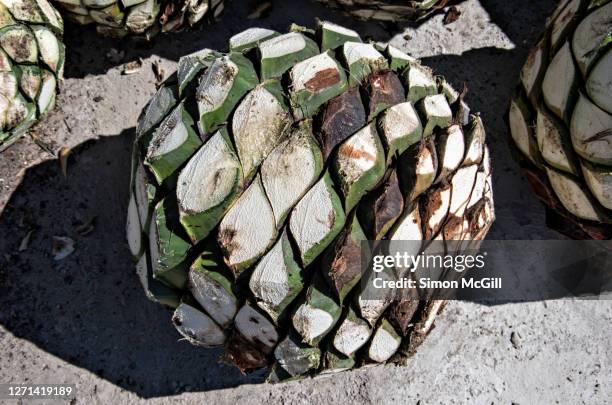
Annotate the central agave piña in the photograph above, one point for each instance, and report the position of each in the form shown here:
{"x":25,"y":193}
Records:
{"x":258,"y":173}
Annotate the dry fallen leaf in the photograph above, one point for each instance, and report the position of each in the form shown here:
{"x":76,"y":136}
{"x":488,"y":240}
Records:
{"x":25,"y":242}
{"x":159,"y":72}
{"x":132,"y":67}
{"x":452,"y":14}
{"x":63,"y":247}
{"x":63,"y":155}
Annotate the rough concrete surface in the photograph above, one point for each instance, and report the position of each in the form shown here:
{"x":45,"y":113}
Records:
{"x":85,"y":321}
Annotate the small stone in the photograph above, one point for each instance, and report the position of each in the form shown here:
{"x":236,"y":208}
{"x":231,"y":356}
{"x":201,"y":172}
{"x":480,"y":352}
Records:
{"x":515,"y":339}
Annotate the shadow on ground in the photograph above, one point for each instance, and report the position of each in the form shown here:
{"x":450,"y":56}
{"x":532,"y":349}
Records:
{"x":89,"y":309}
{"x":82,"y":58}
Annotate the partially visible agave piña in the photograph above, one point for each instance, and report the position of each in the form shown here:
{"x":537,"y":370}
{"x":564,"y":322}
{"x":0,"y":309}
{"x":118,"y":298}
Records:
{"x":561,"y":119}
{"x":146,"y":18}
{"x":388,"y":10}
{"x":31,"y":64}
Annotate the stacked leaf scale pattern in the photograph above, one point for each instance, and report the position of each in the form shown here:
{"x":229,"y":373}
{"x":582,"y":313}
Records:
{"x":258,"y":173}
{"x":31,"y":64}
{"x":561,"y":119}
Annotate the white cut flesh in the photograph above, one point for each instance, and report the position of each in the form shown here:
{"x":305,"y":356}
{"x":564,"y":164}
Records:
{"x":311,"y":322}
{"x":216,"y":84}
{"x":351,"y":336}
{"x":462,"y":187}
{"x":49,"y":47}
{"x":197,"y":327}
{"x":282,"y":45}
{"x":396,"y":53}
{"x":330,"y":26}
{"x":590,"y":35}
{"x":425,"y":172}
{"x":420,"y":76}
{"x":358,"y":154}
{"x":572,"y":196}
{"x":358,"y":51}
{"x":309,"y":222}
{"x":550,"y":136}
{"x":384,"y":345}
{"x":306,"y":70}
{"x":288,"y":172}
{"x":256,"y":328}
{"x":208,"y":178}
{"x":530,"y":73}
{"x":599,"y":181}
{"x":406,"y":235}
{"x":248,"y":228}
{"x":216,"y":301}
{"x":599,"y":83}
{"x":591,"y":132}
{"x":400,"y":121}
{"x":474,"y":143}
{"x":437,"y":111}
{"x":560,"y":23}
{"x":20,"y":44}
{"x":520,"y":130}
{"x":258,"y":125}
{"x":437,"y":216}
{"x":170,"y":135}
{"x":269,"y":281}
{"x":559,"y":82}
{"x":452,"y":149}
{"x":46,"y":97}
{"x":8,"y":85}
{"x":250,"y":36}
{"x":479,"y":189}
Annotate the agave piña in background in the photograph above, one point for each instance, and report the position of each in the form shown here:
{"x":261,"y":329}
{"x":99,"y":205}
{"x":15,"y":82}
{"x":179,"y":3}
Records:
{"x":390,"y":10}
{"x":31,"y":64}
{"x":257,"y":173}
{"x":138,"y":17}
{"x":561,"y":119}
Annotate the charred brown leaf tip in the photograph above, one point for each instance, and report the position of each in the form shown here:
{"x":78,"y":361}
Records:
{"x":340,"y":118}
{"x":227,"y":242}
{"x":385,"y":87}
{"x":389,"y":204}
{"x":402,"y":313}
{"x":245,"y":355}
{"x":349,"y":152}
{"x":323,"y":79}
{"x":345,"y":264}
